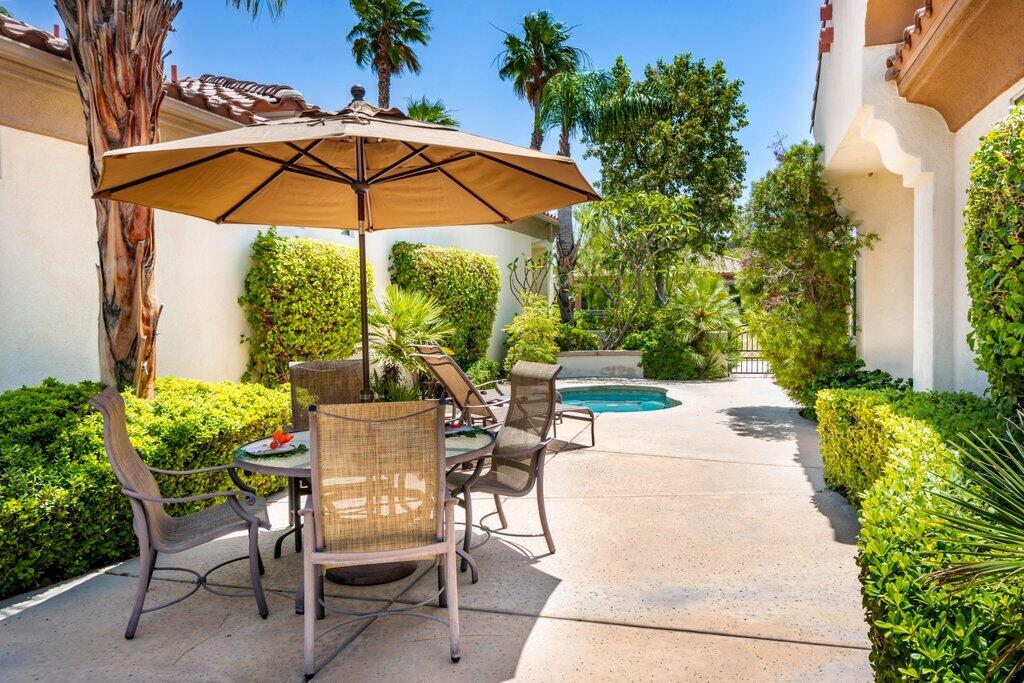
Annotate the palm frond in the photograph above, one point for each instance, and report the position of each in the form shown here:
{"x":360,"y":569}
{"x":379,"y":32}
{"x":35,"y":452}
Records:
{"x":256,"y":7}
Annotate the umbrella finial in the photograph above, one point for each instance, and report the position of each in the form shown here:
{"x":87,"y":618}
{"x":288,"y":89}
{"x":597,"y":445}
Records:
{"x":358,"y":92}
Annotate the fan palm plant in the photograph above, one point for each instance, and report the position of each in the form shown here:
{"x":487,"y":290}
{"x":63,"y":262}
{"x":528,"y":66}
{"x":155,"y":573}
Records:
{"x":702,"y":309}
{"x":532,"y":59}
{"x":384,"y":36}
{"x":984,"y":521}
{"x":430,"y":111}
{"x":401,"y":318}
{"x":117,"y":51}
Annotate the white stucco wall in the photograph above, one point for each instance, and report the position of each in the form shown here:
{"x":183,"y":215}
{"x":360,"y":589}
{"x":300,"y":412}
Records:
{"x":48,"y":285}
{"x":856,"y":105}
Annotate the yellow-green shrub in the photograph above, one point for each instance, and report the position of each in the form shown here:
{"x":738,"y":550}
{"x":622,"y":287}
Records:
{"x":918,"y":631}
{"x":464,"y":282}
{"x":301,"y":301}
{"x":61,"y":508}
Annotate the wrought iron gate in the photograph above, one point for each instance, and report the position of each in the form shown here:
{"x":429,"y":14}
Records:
{"x":751,"y":360}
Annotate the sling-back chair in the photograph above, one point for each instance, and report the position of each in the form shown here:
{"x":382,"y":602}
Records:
{"x":378,"y":496}
{"x":312,"y":382}
{"x":159,"y":532}
{"x":476,"y":408}
{"x":516,"y":463}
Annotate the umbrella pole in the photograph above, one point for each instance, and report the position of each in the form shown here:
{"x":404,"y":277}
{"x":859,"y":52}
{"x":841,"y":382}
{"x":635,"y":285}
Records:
{"x":366,"y":395}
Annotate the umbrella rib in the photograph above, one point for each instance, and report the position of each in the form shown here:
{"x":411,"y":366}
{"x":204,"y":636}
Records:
{"x":292,"y":167}
{"x":306,"y":153}
{"x":437,"y":167}
{"x":160,"y":174}
{"x":539,"y":176}
{"x":259,"y":188}
{"x":431,"y":167}
{"x":404,"y":159}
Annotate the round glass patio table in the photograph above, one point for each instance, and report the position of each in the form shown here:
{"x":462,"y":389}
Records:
{"x":459,"y":449}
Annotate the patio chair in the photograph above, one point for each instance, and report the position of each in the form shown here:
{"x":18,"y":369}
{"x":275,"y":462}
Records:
{"x":377,"y":472}
{"x":517,"y":460}
{"x":159,"y":532}
{"x":312,"y":382}
{"x":474,"y":406}
{"x":490,"y":391}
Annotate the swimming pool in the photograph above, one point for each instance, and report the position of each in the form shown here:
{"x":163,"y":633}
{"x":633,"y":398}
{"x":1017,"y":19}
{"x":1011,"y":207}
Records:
{"x":618,"y":399}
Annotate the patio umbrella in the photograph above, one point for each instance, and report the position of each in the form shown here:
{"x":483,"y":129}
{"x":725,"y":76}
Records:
{"x":361,"y":168}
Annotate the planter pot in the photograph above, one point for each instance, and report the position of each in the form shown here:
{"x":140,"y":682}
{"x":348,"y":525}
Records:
{"x":600,"y":364}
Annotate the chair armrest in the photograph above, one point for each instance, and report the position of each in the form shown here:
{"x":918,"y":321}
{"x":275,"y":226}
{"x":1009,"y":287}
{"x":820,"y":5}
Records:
{"x":232,"y":493}
{"x":493,"y":384}
{"x":200,"y":470}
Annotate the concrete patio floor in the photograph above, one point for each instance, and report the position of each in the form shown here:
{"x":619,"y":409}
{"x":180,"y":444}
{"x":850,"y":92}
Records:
{"x":695,"y":543}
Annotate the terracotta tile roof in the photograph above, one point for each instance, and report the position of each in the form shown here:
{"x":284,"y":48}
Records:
{"x":923,"y":19}
{"x":242,"y":101}
{"x":30,"y":35}
{"x":726,"y":266}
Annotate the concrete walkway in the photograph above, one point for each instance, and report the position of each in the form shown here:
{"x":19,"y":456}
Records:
{"x":696,"y":543}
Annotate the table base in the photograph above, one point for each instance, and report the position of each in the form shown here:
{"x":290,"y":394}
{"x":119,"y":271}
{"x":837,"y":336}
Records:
{"x":370,"y":574}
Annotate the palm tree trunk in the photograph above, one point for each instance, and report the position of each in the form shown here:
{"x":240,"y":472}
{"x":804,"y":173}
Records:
{"x":566,"y":247}
{"x":116,"y":51}
{"x":383,"y":88}
{"x":537,"y":137}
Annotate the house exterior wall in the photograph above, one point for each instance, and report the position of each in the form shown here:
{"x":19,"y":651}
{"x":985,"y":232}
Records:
{"x":48,"y":253}
{"x":866,"y":127}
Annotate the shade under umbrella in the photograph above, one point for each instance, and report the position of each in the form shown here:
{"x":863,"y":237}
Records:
{"x":361,"y":168}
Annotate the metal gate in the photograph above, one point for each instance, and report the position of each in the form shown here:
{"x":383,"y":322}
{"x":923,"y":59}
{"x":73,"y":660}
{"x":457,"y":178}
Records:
{"x":751,"y":360}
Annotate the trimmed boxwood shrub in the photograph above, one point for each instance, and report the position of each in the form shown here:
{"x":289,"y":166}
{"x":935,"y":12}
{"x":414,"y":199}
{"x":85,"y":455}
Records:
{"x":664,"y":353}
{"x":994,"y":227}
{"x":465,"y":282}
{"x":573,"y":338}
{"x":61,"y":507}
{"x":918,"y":631}
{"x":301,"y":301}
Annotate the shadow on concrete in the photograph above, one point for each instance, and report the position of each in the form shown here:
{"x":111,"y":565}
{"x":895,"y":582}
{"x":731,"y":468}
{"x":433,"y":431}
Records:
{"x":777,"y":423}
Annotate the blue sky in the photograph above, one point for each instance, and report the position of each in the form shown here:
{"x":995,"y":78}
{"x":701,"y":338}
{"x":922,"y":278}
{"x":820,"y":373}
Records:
{"x":768,"y":44}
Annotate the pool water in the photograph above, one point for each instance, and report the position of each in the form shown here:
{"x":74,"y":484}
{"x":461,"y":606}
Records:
{"x":618,"y":399}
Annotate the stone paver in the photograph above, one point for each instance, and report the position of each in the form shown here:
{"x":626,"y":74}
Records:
{"x":697,"y":543}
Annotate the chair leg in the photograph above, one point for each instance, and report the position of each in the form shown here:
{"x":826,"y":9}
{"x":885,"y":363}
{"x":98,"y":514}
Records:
{"x":147,"y":560}
{"x":259,"y":559}
{"x":472,"y":564}
{"x":308,"y":617}
{"x":321,"y":611}
{"x":451,"y":589}
{"x":254,"y":571}
{"x":541,"y":510}
{"x":442,"y":598}
{"x":501,"y":511}
{"x":467,"y":541}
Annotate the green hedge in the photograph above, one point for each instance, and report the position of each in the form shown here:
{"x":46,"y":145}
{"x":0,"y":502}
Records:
{"x":665,"y":354}
{"x":994,"y":228}
{"x":61,"y":508}
{"x":465,"y":282}
{"x":889,"y":450}
{"x":532,"y":333}
{"x":301,"y":301}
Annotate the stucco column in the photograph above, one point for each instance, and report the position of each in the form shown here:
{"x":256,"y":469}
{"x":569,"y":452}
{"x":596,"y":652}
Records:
{"x":933,"y":283}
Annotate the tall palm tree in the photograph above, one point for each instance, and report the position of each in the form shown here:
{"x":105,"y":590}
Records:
{"x":430,"y":111}
{"x":582,"y":103}
{"x":117,"y":54}
{"x":532,"y":59}
{"x":383,"y":37}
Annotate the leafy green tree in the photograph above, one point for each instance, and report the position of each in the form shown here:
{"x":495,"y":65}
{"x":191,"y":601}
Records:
{"x":430,"y":111}
{"x":532,"y":334}
{"x":797,"y":282}
{"x":532,"y":59}
{"x":384,"y":36}
{"x":624,"y":239}
{"x":4,"y":11}
{"x":582,"y":103}
{"x":686,"y":146}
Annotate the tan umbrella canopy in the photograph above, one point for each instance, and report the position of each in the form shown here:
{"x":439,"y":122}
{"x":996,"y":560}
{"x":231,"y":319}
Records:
{"x":362,"y":168}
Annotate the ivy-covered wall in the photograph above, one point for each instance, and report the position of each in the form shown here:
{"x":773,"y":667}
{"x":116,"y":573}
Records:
{"x":466,"y":283}
{"x":301,"y":301}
